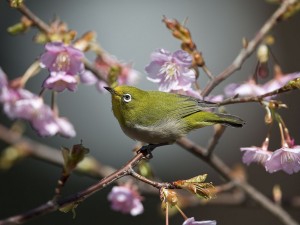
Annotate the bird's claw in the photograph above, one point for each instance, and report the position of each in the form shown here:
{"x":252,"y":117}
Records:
{"x":147,"y":150}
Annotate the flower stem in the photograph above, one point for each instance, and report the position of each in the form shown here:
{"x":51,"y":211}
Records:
{"x":167,"y":213}
{"x":54,"y":106}
{"x":181,"y":212}
{"x":32,"y":70}
{"x":42,"y":92}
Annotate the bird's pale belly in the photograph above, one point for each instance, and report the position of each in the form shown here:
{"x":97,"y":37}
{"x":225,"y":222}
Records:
{"x":164,"y":132}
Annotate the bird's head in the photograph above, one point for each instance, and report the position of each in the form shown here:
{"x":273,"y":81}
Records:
{"x":126,"y":99}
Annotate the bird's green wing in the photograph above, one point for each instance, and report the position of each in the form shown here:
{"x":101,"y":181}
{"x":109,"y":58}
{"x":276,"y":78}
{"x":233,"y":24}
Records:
{"x":175,"y":105}
{"x":187,"y":105}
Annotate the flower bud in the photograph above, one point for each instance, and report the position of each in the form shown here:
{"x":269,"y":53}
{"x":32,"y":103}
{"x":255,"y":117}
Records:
{"x":262,"y":53}
{"x":168,"y":196}
{"x":15,"y":3}
{"x":73,"y":156}
{"x":277,"y":194}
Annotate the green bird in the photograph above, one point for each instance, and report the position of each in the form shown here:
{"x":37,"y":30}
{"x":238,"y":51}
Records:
{"x":160,"y":118}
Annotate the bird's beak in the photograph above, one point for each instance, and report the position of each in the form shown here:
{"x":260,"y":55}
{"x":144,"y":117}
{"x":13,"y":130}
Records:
{"x":111,"y":90}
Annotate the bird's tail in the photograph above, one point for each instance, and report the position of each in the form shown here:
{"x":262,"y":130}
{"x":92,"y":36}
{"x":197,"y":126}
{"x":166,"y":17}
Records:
{"x":226,"y":120}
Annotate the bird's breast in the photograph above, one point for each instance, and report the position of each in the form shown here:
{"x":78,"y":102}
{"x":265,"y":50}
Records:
{"x":166,"y":131}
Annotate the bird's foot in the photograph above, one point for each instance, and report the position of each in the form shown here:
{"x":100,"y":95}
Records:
{"x":147,"y":149}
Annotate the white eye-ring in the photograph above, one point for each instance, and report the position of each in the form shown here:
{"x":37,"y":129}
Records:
{"x":127,"y":98}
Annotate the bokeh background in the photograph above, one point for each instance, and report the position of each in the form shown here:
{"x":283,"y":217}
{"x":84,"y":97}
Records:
{"x":131,"y":30}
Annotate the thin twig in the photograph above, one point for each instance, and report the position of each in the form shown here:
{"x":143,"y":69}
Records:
{"x":60,"y":184}
{"x":249,"y":49}
{"x":155,"y":184}
{"x":52,"y":205}
{"x":214,"y":161}
{"x":31,"y":71}
{"x":51,"y":155}
{"x":97,"y":170}
{"x":54,"y":105}
{"x":214,"y":140}
{"x":226,"y":173}
{"x":208,"y":72}
{"x":181,"y":212}
{"x":40,"y":24}
{"x":167,"y":213}
{"x":258,"y":98}
{"x":42,"y":91}
{"x":94,"y":70}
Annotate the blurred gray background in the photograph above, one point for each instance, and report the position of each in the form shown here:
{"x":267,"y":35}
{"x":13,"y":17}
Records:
{"x":131,"y":30}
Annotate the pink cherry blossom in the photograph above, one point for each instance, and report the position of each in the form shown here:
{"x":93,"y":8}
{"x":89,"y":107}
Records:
{"x":65,"y":127}
{"x":190,"y":92}
{"x":286,"y":159}
{"x":4,"y":89}
{"x":60,"y":57}
{"x":40,"y":116}
{"x":171,"y":70}
{"x":125,"y":200}
{"x":88,"y":78}
{"x":250,"y":88}
{"x":60,"y":81}
{"x":279,"y":81}
{"x":3,"y":79}
{"x":19,"y":103}
{"x":255,"y":155}
{"x":191,"y":221}
{"x":63,"y":62}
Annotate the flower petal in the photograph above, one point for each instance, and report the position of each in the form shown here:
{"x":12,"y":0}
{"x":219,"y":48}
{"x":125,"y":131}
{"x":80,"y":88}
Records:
{"x":47,"y":60}
{"x":55,"y":47}
{"x":286,"y":159}
{"x":182,"y":58}
{"x":125,"y":200}
{"x":153,"y":69}
{"x":60,"y":81}
{"x":171,"y":71}
{"x":87,"y":77}
{"x":66,"y":129}
{"x":100,"y":86}
{"x":59,"y":57}
{"x":161,"y":55}
{"x":255,"y":155}
{"x":3,"y":79}
{"x":191,"y":221}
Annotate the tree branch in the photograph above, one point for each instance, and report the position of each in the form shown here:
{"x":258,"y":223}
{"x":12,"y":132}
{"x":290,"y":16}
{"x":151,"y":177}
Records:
{"x":94,"y":70}
{"x":53,"y":205}
{"x":215,"y":162}
{"x":249,"y":49}
{"x":259,"y":98}
{"x":40,"y":24}
{"x":155,"y":184}
{"x":215,"y":139}
{"x":51,"y":155}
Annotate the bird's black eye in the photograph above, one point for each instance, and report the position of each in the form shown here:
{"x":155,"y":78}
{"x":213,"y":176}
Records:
{"x":127,"y":98}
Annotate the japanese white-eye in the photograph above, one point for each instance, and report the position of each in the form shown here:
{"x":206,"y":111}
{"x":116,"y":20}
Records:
{"x":156,"y":117}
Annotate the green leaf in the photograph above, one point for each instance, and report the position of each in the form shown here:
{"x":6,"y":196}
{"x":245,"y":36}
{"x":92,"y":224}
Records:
{"x":197,"y":187}
{"x":70,"y":207}
{"x":17,"y":29}
{"x":197,"y":179}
